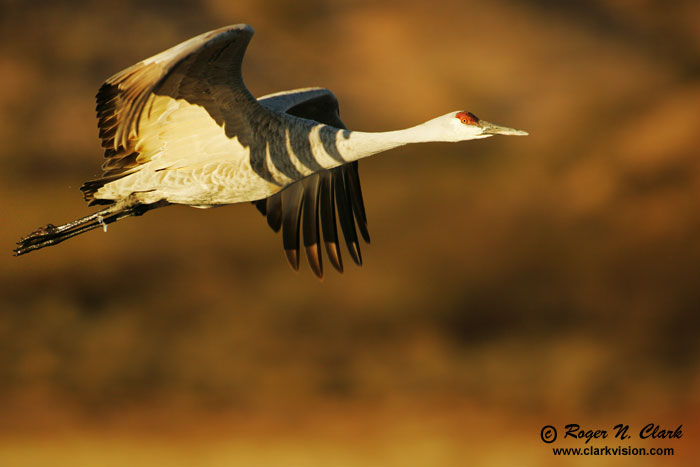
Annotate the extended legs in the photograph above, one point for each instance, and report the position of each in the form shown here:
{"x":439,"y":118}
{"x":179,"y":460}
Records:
{"x":52,"y":235}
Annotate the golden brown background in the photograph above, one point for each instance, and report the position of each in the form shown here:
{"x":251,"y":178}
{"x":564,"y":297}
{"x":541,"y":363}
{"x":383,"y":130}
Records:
{"x":511,"y":283}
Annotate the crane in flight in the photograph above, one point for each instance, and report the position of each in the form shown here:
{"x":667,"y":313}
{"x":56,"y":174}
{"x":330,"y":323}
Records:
{"x":182,"y":128}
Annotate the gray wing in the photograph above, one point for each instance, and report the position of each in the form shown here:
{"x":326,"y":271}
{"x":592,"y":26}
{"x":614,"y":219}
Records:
{"x":204,"y":70}
{"x":319,"y":198}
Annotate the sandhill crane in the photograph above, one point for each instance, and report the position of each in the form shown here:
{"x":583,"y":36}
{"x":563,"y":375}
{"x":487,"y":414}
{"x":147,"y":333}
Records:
{"x":182,"y":128}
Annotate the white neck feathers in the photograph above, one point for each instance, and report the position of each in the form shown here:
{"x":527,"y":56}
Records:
{"x":358,"y":144}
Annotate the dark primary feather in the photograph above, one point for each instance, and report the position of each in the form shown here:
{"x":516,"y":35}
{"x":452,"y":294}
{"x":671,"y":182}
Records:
{"x":291,"y":213}
{"x":328,"y":224}
{"x":325,"y":195}
{"x":354,"y":190}
{"x":312,"y":237}
{"x":347,"y":223}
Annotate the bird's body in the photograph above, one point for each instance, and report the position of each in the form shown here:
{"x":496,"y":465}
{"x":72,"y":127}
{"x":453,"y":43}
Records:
{"x":182,"y":128}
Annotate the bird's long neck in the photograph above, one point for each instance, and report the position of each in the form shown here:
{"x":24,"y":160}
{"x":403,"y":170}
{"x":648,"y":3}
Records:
{"x":354,"y":145}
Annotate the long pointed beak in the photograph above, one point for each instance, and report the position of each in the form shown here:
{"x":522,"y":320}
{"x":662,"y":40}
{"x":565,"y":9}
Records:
{"x":493,"y":129}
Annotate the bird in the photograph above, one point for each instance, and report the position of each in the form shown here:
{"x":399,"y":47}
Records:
{"x":181,"y":127}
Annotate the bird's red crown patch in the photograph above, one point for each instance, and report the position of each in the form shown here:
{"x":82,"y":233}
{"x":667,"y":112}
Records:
{"x":467,"y":118}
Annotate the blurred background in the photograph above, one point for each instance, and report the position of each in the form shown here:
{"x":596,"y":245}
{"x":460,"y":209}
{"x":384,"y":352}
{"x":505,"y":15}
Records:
{"x":511,"y":283}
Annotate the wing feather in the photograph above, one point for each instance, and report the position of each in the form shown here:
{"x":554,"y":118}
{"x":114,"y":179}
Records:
{"x":354,"y":191}
{"x":326,"y":195}
{"x":312,"y":237}
{"x":291,"y":213}
{"x":214,"y":57}
{"x":345,"y":217}
{"x":328,"y":223}
{"x":204,"y":71}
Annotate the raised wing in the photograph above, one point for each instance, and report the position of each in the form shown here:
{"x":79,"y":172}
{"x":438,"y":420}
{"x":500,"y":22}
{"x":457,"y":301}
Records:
{"x":313,"y":201}
{"x":203,"y":71}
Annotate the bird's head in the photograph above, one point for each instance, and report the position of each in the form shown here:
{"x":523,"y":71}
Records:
{"x":463,"y":126}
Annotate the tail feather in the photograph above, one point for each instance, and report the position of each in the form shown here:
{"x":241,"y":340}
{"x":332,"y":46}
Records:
{"x":90,"y":187}
{"x":53,"y":235}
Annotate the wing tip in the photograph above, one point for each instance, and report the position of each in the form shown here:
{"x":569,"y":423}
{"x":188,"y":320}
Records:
{"x":314,"y":258}
{"x":334,"y":257}
{"x":293,"y":258}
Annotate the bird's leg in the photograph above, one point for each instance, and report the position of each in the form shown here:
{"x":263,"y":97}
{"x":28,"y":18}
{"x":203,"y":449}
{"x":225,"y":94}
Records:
{"x":50,"y":229}
{"x":52,"y":235}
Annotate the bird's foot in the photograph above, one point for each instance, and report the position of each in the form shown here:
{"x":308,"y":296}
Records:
{"x":39,"y":234}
